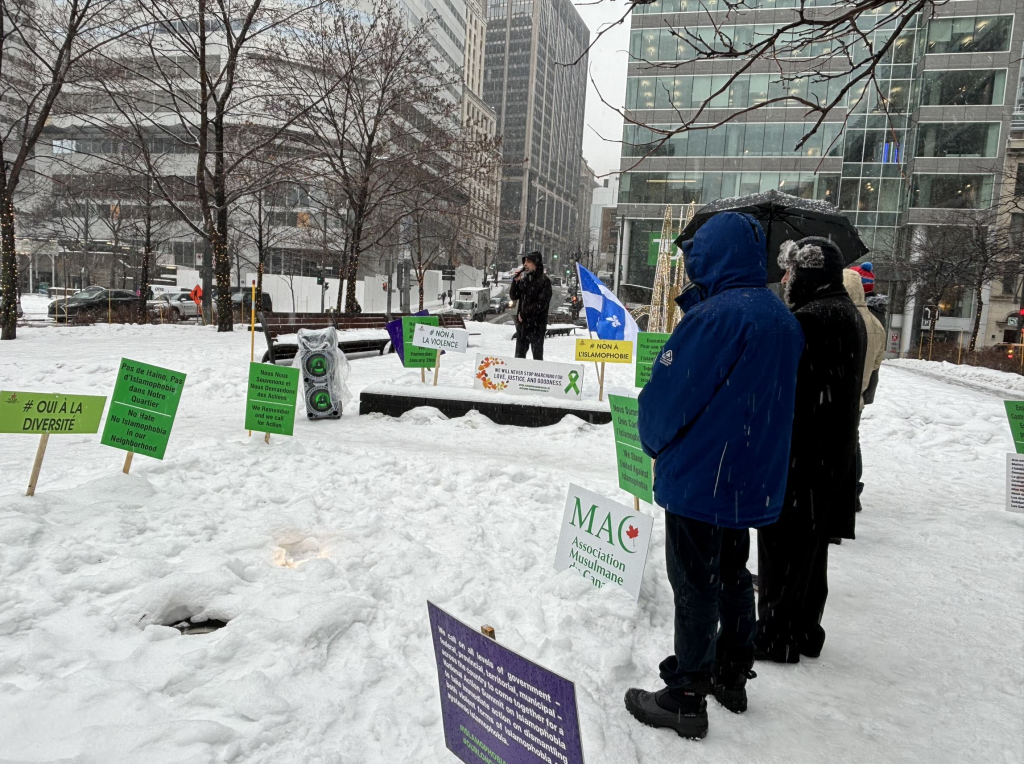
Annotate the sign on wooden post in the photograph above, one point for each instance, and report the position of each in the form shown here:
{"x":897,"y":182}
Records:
{"x":636,"y":470}
{"x":44,"y":414}
{"x":271,"y":397}
{"x":648,"y":346}
{"x":142,"y":409}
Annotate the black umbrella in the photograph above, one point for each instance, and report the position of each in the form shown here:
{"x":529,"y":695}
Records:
{"x":783,"y":218}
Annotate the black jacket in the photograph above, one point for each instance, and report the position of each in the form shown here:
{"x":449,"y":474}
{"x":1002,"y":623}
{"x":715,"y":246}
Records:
{"x":822,"y":474}
{"x":534,"y":296}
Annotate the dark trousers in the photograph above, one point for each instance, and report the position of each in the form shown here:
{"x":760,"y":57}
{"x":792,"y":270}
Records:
{"x":714,"y":599}
{"x":860,"y":462}
{"x":525,"y":343}
{"x":792,"y":575}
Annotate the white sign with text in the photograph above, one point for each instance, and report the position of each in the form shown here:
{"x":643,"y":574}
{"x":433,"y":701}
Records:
{"x":1015,"y":483}
{"x":440,"y":338}
{"x":523,"y":377}
{"x":605,"y":541}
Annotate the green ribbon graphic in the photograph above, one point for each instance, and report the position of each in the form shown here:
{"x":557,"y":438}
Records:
{"x":573,"y":377}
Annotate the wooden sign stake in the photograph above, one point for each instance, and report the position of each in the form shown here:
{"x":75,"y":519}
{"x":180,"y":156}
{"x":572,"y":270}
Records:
{"x":423,"y":375}
{"x":252,"y":329}
{"x":128,"y":462}
{"x":488,"y":631}
{"x":266,"y":437}
{"x":636,"y":503}
{"x":437,"y":367}
{"x":600,"y":377}
{"x":40,"y":452}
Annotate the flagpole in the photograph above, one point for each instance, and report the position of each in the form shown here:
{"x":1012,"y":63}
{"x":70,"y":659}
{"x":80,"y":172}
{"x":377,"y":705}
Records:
{"x":579,"y":286}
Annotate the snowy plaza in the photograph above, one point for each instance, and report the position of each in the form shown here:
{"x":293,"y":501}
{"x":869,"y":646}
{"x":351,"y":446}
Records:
{"x":320,"y":551}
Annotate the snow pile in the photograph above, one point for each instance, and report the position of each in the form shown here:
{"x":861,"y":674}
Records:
{"x":321,"y":550}
{"x":979,"y":377}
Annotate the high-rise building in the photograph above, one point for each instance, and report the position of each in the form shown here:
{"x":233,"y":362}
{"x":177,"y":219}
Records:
{"x":949,"y":86}
{"x":539,"y":106}
{"x":476,"y":114}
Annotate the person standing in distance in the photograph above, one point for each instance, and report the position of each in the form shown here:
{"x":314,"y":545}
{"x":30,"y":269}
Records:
{"x":532,"y":288}
{"x":821,"y":490}
{"x":717,"y":414}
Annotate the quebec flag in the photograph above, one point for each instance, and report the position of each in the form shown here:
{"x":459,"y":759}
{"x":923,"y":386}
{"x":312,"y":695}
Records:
{"x":606,"y":316}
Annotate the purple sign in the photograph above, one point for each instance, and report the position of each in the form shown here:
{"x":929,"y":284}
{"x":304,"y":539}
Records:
{"x":496,"y":705}
{"x":394,"y":329}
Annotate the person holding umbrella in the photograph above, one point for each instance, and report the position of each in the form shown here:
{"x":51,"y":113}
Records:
{"x":820,"y":500}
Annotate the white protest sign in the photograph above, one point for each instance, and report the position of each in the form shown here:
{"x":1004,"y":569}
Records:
{"x":440,"y":338}
{"x":1015,"y":483}
{"x":605,"y":541}
{"x":517,"y":375}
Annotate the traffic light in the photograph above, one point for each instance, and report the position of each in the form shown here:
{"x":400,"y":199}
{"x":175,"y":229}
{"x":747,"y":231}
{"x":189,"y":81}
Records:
{"x":320,"y":280}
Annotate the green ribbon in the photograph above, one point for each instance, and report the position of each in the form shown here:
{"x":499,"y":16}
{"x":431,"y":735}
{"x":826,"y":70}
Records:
{"x":573,"y":378}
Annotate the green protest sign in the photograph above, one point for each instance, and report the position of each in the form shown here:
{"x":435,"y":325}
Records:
{"x":1015,"y":413}
{"x":270,"y":401}
{"x":648,"y":345}
{"x":417,"y":357}
{"x":54,"y":413}
{"x":636,"y":474}
{"x":142,"y":408}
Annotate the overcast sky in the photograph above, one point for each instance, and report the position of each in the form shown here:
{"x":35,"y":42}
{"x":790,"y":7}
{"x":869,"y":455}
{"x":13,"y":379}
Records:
{"x":607,"y":75}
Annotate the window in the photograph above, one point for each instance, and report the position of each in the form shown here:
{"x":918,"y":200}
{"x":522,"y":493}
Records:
{"x":1018,"y":186}
{"x":964,"y":87}
{"x":64,"y":146}
{"x":954,"y":139}
{"x":969,"y":34}
{"x":952,"y":191}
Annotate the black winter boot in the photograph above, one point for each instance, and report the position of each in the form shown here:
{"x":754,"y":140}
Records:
{"x":731,"y":686}
{"x":684,"y":712}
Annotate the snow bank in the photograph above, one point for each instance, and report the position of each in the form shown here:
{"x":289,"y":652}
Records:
{"x":321,"y":550}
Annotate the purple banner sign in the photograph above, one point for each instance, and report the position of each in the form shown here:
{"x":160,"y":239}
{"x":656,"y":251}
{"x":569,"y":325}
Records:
{"x":497,"y":706}
{"x":394,"y":329}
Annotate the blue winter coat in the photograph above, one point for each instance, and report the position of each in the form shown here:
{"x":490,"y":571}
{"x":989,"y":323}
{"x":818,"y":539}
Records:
{"x":717,"y":413}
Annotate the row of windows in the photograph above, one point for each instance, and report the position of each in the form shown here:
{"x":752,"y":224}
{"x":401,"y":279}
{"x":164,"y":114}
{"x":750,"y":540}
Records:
{"x":704,"y":187}
{"x":753,"y":139}
{"x":958,"y":87}
{"x":970,"y":34}
{"x":690,"y":6}
{"x":881,"y":195}
{"x":665,"y":44}
{"x":958,"y":139}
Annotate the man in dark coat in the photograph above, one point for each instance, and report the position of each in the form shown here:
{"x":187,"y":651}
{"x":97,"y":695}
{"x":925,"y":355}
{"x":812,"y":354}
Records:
{"x":820,"y":503}
{"x":715,"y":414}
{"x":532,"y":288}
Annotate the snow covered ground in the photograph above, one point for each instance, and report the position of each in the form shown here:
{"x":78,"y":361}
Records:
{"x":322,"y":549}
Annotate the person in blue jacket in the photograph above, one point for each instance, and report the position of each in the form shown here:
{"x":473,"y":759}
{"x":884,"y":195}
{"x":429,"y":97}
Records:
{"x":717,"y":415}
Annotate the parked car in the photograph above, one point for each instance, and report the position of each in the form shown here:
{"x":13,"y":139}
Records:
{"x":241,"y":300}
{"x":498,"y":306}
{"x":173,"y":306}
{"x":93,"y":304}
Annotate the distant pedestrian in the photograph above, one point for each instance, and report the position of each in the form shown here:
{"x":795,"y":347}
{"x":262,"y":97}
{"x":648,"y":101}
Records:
{"x":792,"y":554}
{"x":532,"y":288}
{"x":866,"y":272}
{"x":872,"y":359}
{"x":715,"y":414}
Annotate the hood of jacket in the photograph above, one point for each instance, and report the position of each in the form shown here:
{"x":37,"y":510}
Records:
{"x":728,"y":251}
{"x":537,"y":259}
{"x":854,"y":287}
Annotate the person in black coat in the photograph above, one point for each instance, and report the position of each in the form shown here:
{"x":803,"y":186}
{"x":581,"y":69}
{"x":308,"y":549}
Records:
{"x":532,"y":288}
{"x":820,"y":500}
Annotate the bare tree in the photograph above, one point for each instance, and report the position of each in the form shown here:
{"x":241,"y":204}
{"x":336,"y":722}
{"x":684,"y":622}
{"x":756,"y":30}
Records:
{"x":383,"y":114}
{"x":436,"y":233}
{"x":41,"y":47}
{"x":198,"y":78}
{"x":822,"y":59}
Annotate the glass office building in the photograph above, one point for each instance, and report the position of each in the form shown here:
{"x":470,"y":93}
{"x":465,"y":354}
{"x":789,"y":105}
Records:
{"x":539,"y":107}
{"x":931,"y":137}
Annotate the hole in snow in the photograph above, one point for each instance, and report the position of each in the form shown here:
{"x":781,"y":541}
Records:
{"x":203,"y":627}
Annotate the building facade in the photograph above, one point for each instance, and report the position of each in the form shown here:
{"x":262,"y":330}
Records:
{"x":539,"y":106}
{"x":894,"y":162}
{"x":476,"y":114}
